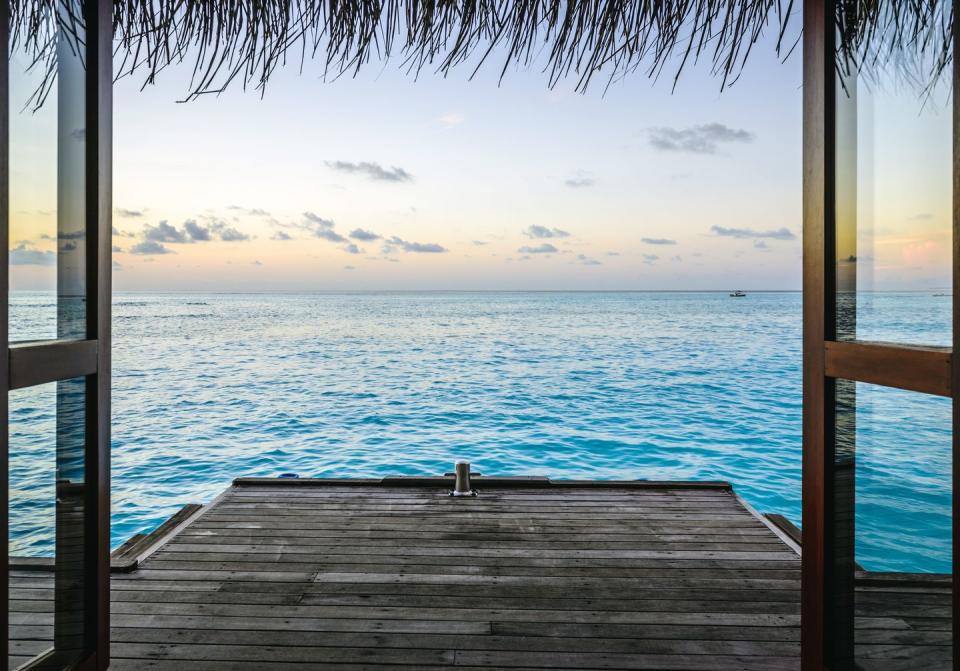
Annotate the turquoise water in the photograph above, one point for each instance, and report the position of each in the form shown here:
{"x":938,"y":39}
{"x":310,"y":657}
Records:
{"x":570,"y":385}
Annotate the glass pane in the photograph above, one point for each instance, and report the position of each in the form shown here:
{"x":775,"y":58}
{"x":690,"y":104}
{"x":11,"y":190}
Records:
{"x":47,"y":146}
{"x":32,"y":521}
{"x":47,"y":493}
{"x":894,"y":195}
{"x":903,"y":453}
{"x":894,"y":553}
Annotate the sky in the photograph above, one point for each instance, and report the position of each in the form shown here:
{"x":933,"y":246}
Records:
{"x":386,"y":181}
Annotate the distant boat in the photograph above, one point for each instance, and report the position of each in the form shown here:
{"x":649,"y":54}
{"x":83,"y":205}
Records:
{"x":737,"y":294}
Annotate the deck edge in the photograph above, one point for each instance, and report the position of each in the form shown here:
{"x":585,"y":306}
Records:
{"x":784,"y":537}
{"x":164,"y":533}
{"x":484,"y":481}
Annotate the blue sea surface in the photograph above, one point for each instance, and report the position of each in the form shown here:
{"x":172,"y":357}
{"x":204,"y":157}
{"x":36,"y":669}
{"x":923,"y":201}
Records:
{"x":662,"y":386}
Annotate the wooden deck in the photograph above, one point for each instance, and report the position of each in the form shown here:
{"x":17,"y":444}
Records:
{"x":298,"y":574}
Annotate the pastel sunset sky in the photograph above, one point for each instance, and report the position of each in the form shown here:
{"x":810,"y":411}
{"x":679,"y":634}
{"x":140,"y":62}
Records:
{"x":384,"y":181}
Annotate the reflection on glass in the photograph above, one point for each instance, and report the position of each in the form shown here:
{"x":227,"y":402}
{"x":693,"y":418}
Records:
{"x":903,"y":489}
{"x":47,"y":423}
{"x":33,"y":206}
{"x":32,"y":490}
{"x":892,"y":551}
{"x":47,"y":204}
{"x":71,"y":201}
{"x":47,"y":523}
{"x":894,"y":198}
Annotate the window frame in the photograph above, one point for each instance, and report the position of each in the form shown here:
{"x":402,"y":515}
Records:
{"x":32,"y":363}
{"x":826,"y":360}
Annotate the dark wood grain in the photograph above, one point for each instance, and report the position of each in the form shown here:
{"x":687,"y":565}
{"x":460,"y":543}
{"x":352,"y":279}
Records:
{"x":818,"y":294}
{"x":625,"y":575}
{"x":33,"y":363}
{"x":99,"y":227}
{"x":922,"y":369}
{"x":369,"y":577}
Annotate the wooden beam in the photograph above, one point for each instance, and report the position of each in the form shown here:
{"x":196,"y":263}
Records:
{"x":923,"y":369}
{"x":818,"y":325}
{"x":99,"y":225}
{"x":34,"y":363}
{"x":4,"y":326}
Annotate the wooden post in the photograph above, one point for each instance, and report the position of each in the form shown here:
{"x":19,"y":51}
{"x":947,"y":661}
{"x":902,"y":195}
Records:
{"x":99,"y":223}
{"x":818,"y":298}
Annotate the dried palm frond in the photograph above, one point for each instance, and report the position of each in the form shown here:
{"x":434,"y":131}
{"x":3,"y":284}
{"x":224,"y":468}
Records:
{"x":245,"y":41}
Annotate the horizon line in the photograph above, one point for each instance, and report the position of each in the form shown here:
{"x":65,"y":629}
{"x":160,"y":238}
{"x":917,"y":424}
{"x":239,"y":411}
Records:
{"x":472,"y":291}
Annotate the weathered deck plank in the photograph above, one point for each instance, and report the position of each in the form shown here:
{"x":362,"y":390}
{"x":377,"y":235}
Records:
{"x":295,"y":575}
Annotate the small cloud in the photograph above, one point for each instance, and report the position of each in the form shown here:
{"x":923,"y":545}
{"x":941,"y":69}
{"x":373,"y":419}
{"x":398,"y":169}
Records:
{"x":760,"y":244}
{"x":650,"y":259}
{"x":545,"y":248}
{"x":117,"y":265}
{"x":613,"y":253}
{"x":117,"y":249}
{"x":25,"y":255}
{"x":329,"y":235}
{"x":164,"y":232}
{"x":349,"y":268}
{"x":775,"y":234}
{"x":676,"y":259}
{"x":230,"y":234}
{"x":257,"y":263}
{"x":317,"y":220}
{"x":579,"y":182}
{"x":364,"y":236}
{"x":415,"y":247}
{"x":541,"y":232}
{"x":321,"y":228}
{"x":195,"y":231}
{"x":280,"y":235}
{"x":371,"y":170}
{"x":353,"y":249}
{"x":703,"y":139}
{"x":129,"y":214}
{"x":66,"y":235}
{"x":451,"y":120}
{"x":922,"y":216}
{"x":479,"y":243}
{"x":658,"y":241}
{"x":149,"y":248}
{"x":587,"y":261}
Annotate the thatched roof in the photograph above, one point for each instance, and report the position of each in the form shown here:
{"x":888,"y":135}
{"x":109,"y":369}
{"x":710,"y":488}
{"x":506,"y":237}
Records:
{"x":244,"y":41}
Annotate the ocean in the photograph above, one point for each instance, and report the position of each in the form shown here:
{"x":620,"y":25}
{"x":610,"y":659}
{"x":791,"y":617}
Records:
{"x":675,"y":386}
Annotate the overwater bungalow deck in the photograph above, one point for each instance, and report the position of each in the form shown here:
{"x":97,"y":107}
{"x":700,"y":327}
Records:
{"x":530,"y":574}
